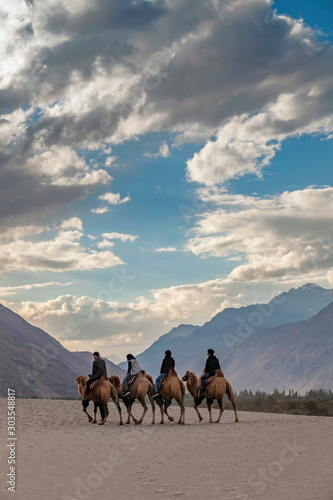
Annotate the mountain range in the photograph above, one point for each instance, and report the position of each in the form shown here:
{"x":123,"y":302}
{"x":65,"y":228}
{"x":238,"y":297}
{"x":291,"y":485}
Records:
{"x":286,"y":343}
{"x":35,"y":364}
{"x":251,"y":339}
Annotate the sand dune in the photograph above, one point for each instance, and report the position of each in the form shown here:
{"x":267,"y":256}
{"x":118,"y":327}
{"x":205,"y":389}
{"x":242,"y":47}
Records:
{"x":62,"y":457}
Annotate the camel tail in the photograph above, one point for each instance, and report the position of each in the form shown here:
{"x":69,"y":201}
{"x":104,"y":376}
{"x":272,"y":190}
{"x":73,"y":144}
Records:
{"x":151,"y":380}
{"x":230,"y":393}
{"x":219,"y":373}
{"x":182,"y":388}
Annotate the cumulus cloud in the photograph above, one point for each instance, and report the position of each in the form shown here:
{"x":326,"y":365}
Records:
{"x":70,"y":318}
{"x":163,"y":151}
{"x":99,"y":210}
{"x":248,"y":144}
{"x":120,"y":236}
{"x":103,"y":78}
{"x":275,"y":237}
{"x":63,"y":252}
{"x":114,"y":198}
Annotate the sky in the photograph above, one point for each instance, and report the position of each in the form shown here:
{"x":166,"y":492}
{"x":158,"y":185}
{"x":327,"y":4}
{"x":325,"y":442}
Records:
{"x":161,"y":160}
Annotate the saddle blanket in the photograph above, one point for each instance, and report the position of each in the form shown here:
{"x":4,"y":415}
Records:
{"x":208,"y":380}
{"x":133,"y":377}
{"x":162,"y":381}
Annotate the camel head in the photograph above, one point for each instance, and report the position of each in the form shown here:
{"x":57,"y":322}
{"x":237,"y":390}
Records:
{"x":187,"y":376}
{"x":80,"y":379}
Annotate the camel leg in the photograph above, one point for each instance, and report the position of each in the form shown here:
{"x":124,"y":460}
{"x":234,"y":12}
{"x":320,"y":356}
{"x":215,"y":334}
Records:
{"x":220,"y":402}
{"x":160,"y":403}
{"x":129,"y":411}
{"x":85,"y":405}
{"x":209,"y":405}
{"x":145,"y":409}
{"x":119,"y":411}
{"x":128,"y":407}
{"x":182,"y":411}
{"x":95,"y":413}
{"x":231,"y":398}
{"x":197,"y":410}
{"x":166,"y":406}
{"x":103,"y":408}
{"x":152,"y":408}
{"x":115,"y":399}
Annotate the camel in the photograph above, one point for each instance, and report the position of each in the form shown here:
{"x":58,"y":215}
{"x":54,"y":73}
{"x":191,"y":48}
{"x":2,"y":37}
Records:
{"x":100,"y":395}
{"x":218,"y":387}
{"x":139,"y":389}
{"x":172,"y":388}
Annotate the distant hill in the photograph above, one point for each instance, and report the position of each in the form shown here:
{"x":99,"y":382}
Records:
{"x":231,"y":327}
{"x":297,"y":356}
{"x":35,"y":364}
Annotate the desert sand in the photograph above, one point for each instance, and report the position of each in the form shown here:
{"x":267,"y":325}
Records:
{"x":60,"y":456}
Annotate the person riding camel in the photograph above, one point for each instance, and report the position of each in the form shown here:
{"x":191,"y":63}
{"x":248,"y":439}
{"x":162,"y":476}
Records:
{"x":212,"y":364}
{"x":167,"y":363}
{"x":98,"y":368}
{"x":133,"y":368}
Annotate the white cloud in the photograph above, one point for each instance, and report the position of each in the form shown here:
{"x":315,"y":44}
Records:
{"x":114,"y":198}
{"x":120,"y":236}
{"x":276,"y":237}
{"x":13,"y":290}
{"x":168,"y":249}
{"x":70,"y":318}
{"x":163,"y":151}
{"x":62,"y":253}
{"x":99,"y":210}
{"x":15,"y":233}
{"x":248,"y":144}
{"x":73,"y":223}
{"x":100,"y":84}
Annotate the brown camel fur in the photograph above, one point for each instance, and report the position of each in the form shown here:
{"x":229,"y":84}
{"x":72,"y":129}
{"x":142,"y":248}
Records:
{"x":172,"y":388}
{"x":139,"y":389}
{"x":218,"y":387}
{"x":100,"y":395}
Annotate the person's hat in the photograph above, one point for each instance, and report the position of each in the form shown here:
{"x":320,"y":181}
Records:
{"x":210,"y":351}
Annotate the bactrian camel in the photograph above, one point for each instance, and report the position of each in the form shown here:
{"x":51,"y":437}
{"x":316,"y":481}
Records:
{"x":173,"y":387}
{"x":100,"y":394}
{"x":139,"y":389}
{"x":216,"y":389}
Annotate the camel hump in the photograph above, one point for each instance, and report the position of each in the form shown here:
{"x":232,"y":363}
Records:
{"x":104,"y":376}
{"x":219,"y":373}
{"x":143,"y":372}
{"x":115,"y":380}
{"x":172,"y":372}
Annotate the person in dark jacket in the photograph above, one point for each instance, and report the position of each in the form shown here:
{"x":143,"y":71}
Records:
{"x":212,"y":364}
{"x":98,"y":368}
{"x":167,"y":363}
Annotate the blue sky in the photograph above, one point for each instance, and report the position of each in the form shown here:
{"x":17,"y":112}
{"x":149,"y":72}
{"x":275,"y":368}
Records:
{"x":155,"y":172}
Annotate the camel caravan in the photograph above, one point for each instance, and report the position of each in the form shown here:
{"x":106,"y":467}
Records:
{"x":137,"y":384}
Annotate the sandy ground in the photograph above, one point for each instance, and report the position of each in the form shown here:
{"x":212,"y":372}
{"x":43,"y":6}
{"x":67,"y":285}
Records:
{"x":60,"y":456}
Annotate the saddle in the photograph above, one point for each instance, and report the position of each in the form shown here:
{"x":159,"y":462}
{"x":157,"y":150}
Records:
{"x":95,"y":382}
{"x":162,"y":381}
{"x":209,"y":379}
{"x":131,"y":380}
